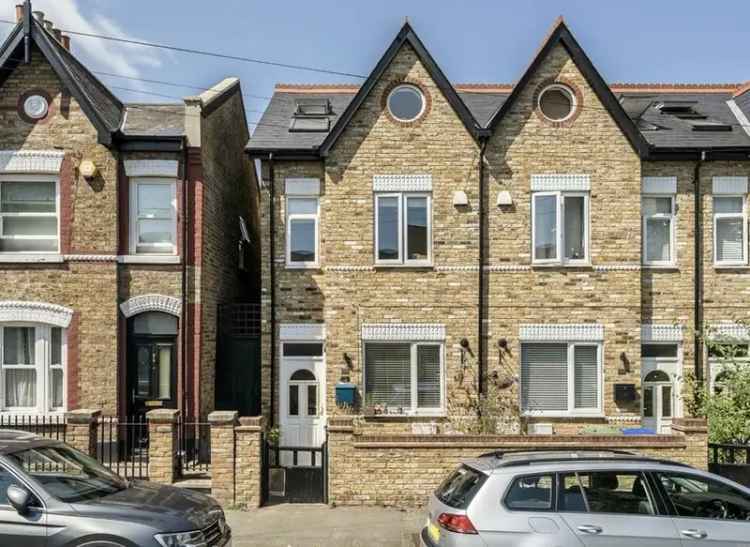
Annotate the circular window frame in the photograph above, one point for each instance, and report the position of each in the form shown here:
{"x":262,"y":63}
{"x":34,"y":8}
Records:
{"x":573,"y":92}
{"x":426,"y":102}
{"x":21,"y":106}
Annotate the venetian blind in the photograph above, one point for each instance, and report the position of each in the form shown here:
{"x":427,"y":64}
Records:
{"x":586,"y":384}
{"x":544,"y":377}
{"x":388,"y":374}
{"x":428,"y":376}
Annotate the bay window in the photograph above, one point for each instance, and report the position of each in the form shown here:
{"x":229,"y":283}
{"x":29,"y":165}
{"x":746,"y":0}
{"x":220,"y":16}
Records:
{"x":730,"y":230}
{"x":403,"y":229}
{"x":561,"y":379}
{"x":302,"y":232}
{"x":560,"y":227}
{"x":658,"y":218}
{"x":32,"y":370}
{"x":28,"y":214}
{"x":153,"y":211}
{"x":404,"y":378}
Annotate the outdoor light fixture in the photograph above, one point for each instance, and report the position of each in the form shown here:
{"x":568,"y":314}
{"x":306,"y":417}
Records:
{"x":504,"y":198}
{"x":503,"y":343}
{"x":625,"y":363}
{"x":460,"y":199}
{"x":88,"y":169}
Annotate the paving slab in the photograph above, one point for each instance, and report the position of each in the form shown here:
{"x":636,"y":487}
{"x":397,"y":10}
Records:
{"x":313,"y":525}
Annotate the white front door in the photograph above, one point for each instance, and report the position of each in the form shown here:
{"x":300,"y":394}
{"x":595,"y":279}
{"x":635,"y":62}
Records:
{"x":661,"y":369}
{"x":302,"y":401}
{"x":658,"y":406}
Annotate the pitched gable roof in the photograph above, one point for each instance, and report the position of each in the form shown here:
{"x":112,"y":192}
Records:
{"x":405,"y":36}
{"x":102,"y":108}
{"x":560,"y":34}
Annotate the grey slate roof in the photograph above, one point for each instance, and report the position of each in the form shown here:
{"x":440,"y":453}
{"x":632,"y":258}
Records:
{"x":163,"y":120}
{"x":671,"y":132}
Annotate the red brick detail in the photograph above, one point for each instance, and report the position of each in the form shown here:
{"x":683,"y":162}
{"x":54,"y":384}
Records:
{"x":72,"y":365}
{"x":67,"y":211}
{"x":193,"y":372}
{"x":195,"y":206}
{"x":123,"y":209}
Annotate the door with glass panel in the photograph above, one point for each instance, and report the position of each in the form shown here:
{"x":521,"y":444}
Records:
{"x":152,"y":371}
{"x":658,"y":402}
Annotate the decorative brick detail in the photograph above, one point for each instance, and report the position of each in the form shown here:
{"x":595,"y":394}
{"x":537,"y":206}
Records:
{"x":223,"y":456}
{"x":151,"y":302}
{"x":661,"y":333}
{"x":578,"y":107}
{"x":562,"y":332}
{"x":562,"y":183}
{"x":82,"y":430}
{"x":31,"y":161}
{"x":427,"y":102}
{"x":35,"y":312}
{"x":402,"y":183}
{"x":398,"y":331}
{"x":73,"y":361}
{"x":162,"y":451}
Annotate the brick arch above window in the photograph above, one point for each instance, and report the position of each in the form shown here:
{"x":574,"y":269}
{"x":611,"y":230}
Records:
{"x":35,"y":312}
{"x":151,"y":302}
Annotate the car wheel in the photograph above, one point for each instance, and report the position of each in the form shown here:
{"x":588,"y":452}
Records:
{"x":103,"y":543}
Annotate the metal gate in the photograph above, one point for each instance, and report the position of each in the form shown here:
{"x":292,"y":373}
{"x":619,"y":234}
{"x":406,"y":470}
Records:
{"x":731,"y":461}
{"x":294,"y":474}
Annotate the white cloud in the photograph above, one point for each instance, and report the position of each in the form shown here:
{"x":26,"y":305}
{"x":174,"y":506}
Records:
{"x":97,"y":54}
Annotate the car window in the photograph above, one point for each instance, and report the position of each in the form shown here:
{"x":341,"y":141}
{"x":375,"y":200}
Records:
{"x":460,"y":487}
{"x":699,"y":497}
{"x":530,"y":493}
{"x":618,"y":492}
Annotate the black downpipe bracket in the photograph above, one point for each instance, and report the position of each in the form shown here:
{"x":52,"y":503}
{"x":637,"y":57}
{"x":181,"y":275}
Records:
{"x":698,"y":267}
{"x":480,"y":303}
{"x":272,"y":271}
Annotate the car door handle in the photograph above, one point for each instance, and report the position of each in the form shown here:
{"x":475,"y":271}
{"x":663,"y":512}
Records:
{"x":693,"y":533}
{"x":590,"y":529}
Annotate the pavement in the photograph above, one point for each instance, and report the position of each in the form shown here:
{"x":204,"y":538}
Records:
{"x":302,"y":525}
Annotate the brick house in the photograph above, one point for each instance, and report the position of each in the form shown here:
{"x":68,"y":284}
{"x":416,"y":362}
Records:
{"x":556,"y":246}
{"x":120,"y":234}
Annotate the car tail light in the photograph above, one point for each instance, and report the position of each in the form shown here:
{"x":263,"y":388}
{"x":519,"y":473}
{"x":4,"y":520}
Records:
{"x":460,"y":524}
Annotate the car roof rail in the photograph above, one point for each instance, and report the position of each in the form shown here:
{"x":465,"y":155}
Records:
{"x":528,"y":458}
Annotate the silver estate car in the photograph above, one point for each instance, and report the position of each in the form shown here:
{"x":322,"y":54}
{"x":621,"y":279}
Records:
{"x":581,"y":499}
{"x":52,"y":495}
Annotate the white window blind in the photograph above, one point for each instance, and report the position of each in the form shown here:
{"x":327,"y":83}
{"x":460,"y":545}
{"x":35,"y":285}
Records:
{"x":428,"y":376}
{"x":544,"y":377}
{"x":28,"y":214}
{"x":586,"y":393}
{"x":730,"y":238}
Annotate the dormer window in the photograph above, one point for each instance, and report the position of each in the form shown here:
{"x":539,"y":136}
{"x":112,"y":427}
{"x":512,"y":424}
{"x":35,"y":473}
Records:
{"x":311,"y":115}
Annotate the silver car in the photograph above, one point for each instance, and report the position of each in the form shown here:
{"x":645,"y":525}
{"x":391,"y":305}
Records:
{"x":582,"y":499}
{"x":53,"y":495}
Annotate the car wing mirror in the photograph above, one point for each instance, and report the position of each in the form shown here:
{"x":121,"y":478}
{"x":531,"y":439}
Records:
{"x":19,"y":498}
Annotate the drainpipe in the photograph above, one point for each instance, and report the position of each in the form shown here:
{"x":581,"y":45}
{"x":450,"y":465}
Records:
{"x":272,"y":244}
{"x":480,"y":306}
{"x":185,"y":332}
{"x":698,"y":267}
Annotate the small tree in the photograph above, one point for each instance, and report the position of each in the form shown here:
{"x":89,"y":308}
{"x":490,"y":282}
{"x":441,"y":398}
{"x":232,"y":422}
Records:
{"x":727,"y":406}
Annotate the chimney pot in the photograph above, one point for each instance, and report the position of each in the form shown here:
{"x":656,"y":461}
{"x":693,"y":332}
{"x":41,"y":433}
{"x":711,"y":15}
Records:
{"x":58,"y":34}
{"x":66,"y":41}
{"x":49,"y":26}
{"x":39,"y":16}
{"x":19,"y":13}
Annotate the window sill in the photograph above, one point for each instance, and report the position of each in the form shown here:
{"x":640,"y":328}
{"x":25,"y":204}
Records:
{"x":562,"y":265}
{"x":302,"y":266}
{"x":406,"y":266}
{"x":731,"y":267}
{"x":149,"y":259}
{"x":23,"y":258}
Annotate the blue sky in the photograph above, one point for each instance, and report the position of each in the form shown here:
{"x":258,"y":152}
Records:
{"x":472,"y":40}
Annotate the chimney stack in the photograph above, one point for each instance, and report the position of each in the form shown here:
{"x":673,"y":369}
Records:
{"x":58,"y":35}
{"x":19,"y":13}
{"x":65,"y":40}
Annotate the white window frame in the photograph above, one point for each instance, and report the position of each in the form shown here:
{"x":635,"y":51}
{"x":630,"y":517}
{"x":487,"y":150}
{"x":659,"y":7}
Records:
{"x":403,"y":238}
{"x":134,"y":217}
{"x":560,"y":259}
{"x":743,"y":217}
{"x":596,"y":412}
{"x":32,"y":178}
{"x":291,"y":217}
{"x":414,"y":394}
{"x":672,"y":216}
{"x":43,"y":367}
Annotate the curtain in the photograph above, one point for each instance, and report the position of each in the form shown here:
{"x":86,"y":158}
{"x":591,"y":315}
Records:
{"x":20,"y":383}
{"x":20,"y":388}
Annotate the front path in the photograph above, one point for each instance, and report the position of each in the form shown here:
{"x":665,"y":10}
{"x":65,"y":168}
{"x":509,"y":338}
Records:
{"x":322,"y":526}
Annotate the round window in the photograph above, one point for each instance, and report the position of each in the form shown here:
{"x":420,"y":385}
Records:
{"x":557,"y":103}
{"x":406,"y":103}
{"x":36,"y":107}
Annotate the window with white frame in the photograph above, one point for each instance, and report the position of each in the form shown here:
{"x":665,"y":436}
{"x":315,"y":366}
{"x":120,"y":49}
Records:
{"x":29,"y":214}
{"x":561,"y":379}
{"x":153,"y":216}
{"x":32,"y":367}
{"x":403,"y":228}
{"x":730,"y":230}
{"x":723,"y":358}
{"x":302,"y":231}
{"x":404,"y":377}
{"x":560,"y":226}
{"x":658,"y":214}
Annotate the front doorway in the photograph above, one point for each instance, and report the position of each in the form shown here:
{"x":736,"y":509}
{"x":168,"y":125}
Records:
{"x":152,"y":357}
{"x":660,"y":373}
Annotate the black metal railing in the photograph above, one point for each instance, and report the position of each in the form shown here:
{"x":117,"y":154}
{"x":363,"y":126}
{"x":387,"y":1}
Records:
{"x":51,"y":427}
{"x":730,"y":460}
{"x":194,"y":446}
{"x":122,"y":445}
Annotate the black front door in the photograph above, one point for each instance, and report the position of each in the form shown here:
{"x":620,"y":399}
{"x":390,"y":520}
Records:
{"x":152,"y":374}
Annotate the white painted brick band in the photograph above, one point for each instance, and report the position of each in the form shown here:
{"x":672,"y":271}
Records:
{"x":151,"y":302}
{"x":403,"y":331}
{"x":659,"y":185}
{"x":42,"y":161}
{"x":730,"y":185}
{"x":302,"y":331}
{"x":560,"y":183}
{"x":302,"y":187}
{"x":151,"y":168}
{"x":570,"y":332}
{"x":35,"y":312}
{"x":661,"y":333}
{"x":402,"y":183}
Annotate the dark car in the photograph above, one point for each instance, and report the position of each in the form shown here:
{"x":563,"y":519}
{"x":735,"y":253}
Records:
{"x":53,"y":495}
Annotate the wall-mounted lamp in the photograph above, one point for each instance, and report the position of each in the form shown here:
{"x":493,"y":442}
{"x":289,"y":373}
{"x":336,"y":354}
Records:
{"x":504,"y":198}
{"x":625,"y":363}
{"x":460,"y":199}
{"x":464,"y":343}
{"x":502,"y":343}
{"x":348,"y":361}
{"x":88,"y":169}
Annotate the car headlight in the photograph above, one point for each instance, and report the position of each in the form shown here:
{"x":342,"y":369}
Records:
{"x":183,"y":539}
